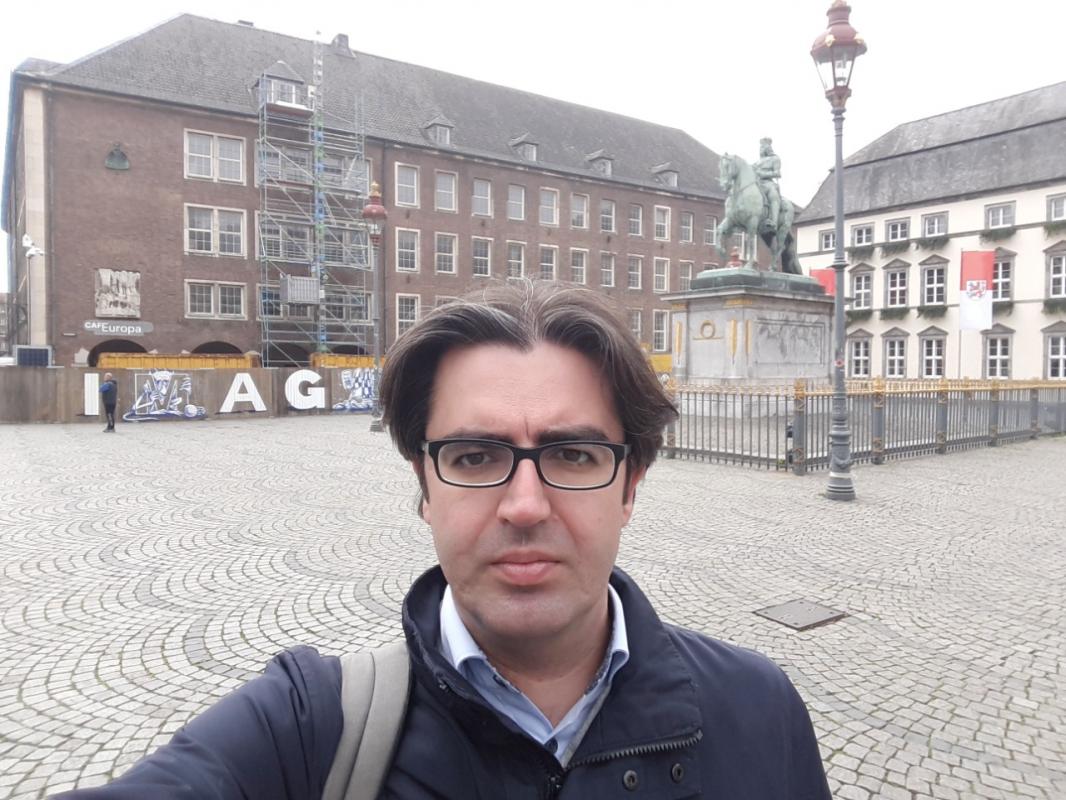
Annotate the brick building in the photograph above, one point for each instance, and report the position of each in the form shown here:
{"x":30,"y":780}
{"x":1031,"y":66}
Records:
{"x":144,"y":173}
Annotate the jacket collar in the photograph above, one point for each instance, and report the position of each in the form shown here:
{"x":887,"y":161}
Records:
{"x":653,"y":698}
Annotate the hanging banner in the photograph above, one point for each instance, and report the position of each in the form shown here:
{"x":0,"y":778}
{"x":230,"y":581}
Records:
{"x":975,"y":297}
{"x":828,"y":278}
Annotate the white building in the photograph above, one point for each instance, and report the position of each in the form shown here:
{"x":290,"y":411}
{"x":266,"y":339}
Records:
{"x":988,"y":177}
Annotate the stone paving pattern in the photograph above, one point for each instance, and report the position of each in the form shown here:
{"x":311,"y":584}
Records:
{"x":144,"y":574}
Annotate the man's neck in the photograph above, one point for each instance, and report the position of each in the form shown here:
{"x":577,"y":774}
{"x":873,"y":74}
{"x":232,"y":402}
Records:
{"x":553,"y":674}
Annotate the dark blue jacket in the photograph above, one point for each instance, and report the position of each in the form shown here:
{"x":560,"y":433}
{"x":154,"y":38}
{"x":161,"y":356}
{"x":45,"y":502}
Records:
{"x":109,"y":389}
{"x":687,"y":717}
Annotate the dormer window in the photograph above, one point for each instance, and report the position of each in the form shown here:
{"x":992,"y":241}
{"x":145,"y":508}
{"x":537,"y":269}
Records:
{"x":528,"y":151}
{"x":603,"y":166}
{"x":666,"y":175}
{"x":277,"y":90}
{"x":439,"y":130}
{"x":441,"y":134}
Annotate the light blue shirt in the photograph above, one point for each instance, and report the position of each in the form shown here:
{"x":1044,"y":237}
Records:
{"x":563,"y":739}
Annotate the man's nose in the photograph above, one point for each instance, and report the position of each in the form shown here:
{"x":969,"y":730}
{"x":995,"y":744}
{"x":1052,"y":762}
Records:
{"x":525,"y":501}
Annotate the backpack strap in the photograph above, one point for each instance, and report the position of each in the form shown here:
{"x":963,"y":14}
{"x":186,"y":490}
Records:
{"x":374,"y":687}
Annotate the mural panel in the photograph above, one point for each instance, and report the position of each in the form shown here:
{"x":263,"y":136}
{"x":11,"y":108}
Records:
{"x":118,"y":293}
{"x":162,"y":394}
{"x":358,"y":385}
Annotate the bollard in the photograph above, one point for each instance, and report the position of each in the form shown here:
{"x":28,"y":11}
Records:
{"x":942,"y":417}
{"x":1034,"y":413}
{"x":993,"y":416}
{"x":877,"y":422}
{"x":799,"y":430}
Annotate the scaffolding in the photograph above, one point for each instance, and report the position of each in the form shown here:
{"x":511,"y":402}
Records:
{"x":315,"y":291}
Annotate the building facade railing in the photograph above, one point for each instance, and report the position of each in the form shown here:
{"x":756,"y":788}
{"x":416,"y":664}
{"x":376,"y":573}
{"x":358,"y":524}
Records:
{"x":787,"y":427}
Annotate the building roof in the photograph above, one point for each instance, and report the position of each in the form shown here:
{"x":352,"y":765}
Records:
{"x":1013,"y":141}
{"x":209,"y":64}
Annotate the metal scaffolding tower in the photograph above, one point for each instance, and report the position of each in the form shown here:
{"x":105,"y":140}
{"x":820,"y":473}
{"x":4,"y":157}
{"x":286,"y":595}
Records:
{"x":315,"y":291}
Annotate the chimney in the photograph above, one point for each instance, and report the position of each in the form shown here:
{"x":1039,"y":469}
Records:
{"x":340,"y":44}
{"x":246,"y":23}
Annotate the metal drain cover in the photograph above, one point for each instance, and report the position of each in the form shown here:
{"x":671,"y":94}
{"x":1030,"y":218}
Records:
{"x":801,"y":615}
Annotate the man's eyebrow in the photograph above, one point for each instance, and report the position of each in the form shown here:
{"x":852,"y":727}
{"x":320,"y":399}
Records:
{"x":585,"y":433}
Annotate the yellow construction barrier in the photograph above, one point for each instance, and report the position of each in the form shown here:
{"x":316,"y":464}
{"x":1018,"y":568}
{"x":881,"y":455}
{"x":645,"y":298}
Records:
{"x":341,"y":360}
{"x":176,"y":361}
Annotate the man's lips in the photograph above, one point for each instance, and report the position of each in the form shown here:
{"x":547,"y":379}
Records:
{"x":525,"y":569}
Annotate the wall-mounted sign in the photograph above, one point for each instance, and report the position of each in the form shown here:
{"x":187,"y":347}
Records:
{"x":103,"y":327}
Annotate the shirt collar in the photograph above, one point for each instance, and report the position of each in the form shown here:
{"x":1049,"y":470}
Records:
{"x":458,"y":646}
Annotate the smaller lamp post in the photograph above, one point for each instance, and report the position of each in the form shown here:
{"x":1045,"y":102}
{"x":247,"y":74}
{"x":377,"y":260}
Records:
{"x":834,"y":53}
{"x":374,"y":215}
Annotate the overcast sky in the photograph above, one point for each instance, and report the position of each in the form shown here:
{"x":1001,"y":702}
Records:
{"x":726,"y":73}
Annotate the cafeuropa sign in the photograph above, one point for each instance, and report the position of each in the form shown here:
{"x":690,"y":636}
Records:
{"x":103,"y":327}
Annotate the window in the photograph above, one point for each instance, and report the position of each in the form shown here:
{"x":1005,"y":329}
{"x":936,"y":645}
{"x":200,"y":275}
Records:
{"x":1000,"y":215}
{"x":578,"y":264}
{"x":635,"y":325}
{"x":607,"y":216}
{"x":662,"y":223}
{"x":443,"y":300}
{"x":214,"y":300}
{"x":935,"y":225}
{"x":1056,"y":356}
{"x":827,"y":240}
{"x":214,"y":231}
{"x":659,"y":321}
{"x":444,"y":258}
{"x":516,"y":259}
{"x":862,"y":290}
{"x":684,"y":275}
{"x":408,"y":308}
{"x":860,"y":358}
{"x":441,"y":134}
{"x":547,"y":263}
{"x":406,"y":250}
{"x":661,"y":277}
{"x":1001,"y":278}
{"x":897,"y":230}
{"x":710,"y":229}
{"x":516,"y":202}
{"x":607,"y":269}
{"x":579,"y":211}
{"x":862,"y":235}
{"x":347,"y":247}
{"x":212,"y":157}
{"x":528,"y":151}
{"x":287,"y":241}
{"x":636,"y":220}
{"x":896,"y":288}
{"x":346,"y":306}
{"x":481,"y":198}
{"x":635,"y":267}
{"x":481,"y":251}
{"x":997,"y":357}
{"x":549,"y":207}
{"x":895,"y":358}
{"x":444,"y":197}
{"x":1056,"y":208}
{"x":276,"y":90}
{"x":269,"y":302}
{"x":933,"y":286}
{"x":933,"y":357}
{"x":1057,"y":276}
{"x":687,"y":221}
{"x":406,"y":185}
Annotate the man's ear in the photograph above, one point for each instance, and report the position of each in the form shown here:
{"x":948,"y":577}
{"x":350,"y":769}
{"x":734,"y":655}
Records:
{"x":634,"y":475}
{"x":423,"y":496}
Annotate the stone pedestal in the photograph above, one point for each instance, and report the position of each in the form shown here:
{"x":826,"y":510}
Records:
{"x":751,"y":327}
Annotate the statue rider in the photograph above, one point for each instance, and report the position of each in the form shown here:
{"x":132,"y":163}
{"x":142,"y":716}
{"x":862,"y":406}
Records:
{"x":768,"y":171}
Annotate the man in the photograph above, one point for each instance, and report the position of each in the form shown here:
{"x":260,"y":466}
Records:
{"x":529,"y":416}
{"x":768,"y":171}
{"x":109,"y":394}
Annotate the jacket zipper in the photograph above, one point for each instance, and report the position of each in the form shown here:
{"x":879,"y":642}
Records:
{"x":643,"y":750}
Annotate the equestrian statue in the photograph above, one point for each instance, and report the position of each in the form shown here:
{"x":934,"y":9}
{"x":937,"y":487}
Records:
{"x":754,"y":207}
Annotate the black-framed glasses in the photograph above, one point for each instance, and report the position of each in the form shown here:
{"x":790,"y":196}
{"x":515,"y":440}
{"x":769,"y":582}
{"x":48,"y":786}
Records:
{"x":481,"y":463}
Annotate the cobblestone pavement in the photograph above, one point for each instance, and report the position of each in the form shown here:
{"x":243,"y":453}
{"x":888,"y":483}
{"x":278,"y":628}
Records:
{"x":144,"y":574}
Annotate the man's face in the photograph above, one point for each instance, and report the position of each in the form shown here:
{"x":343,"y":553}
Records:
{"x":525,"y":560}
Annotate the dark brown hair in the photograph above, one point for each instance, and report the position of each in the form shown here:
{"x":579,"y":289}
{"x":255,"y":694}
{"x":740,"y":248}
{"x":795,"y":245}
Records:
{"x":521,"y":314}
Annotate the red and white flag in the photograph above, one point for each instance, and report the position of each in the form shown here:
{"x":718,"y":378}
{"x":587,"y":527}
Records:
{"x":828,"y":278}
{"x":975,"y":297}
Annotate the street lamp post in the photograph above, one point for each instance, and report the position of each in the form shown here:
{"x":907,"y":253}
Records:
{"x":834,"y":53}
{"x":374,"y":215}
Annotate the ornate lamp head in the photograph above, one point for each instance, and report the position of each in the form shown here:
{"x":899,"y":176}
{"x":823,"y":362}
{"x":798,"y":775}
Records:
{"x":834,"y":53}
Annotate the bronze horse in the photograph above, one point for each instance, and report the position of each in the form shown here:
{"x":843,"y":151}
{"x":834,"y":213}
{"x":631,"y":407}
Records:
{"x":745,"y":210}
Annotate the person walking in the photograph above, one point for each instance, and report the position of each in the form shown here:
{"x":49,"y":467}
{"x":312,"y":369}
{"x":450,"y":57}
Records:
{"x":109,"y":392}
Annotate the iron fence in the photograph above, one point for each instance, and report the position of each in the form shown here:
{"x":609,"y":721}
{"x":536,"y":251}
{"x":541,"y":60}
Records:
{"x":788,"y":427}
